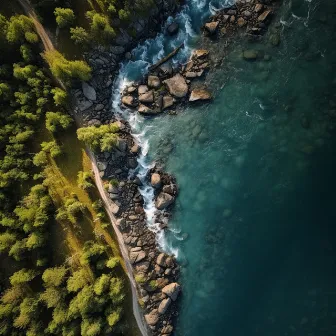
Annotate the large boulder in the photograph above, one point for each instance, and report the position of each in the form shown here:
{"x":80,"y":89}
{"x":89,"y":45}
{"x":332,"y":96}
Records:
{"x":163,"y":201}
{"x":152,"y":318}
{"x":172,"y":290}
{"x":177,"y":86}
{"x":164,"y":305}
{"x":154,"y":82}
{"x":88,"y":91}
{"x":212,"y":27}
{"x":200,"y":94}
{"x":147,"y":97}
{"x":136,"y":255}
{"x":156,"y":180}
{"x":161,"y":259}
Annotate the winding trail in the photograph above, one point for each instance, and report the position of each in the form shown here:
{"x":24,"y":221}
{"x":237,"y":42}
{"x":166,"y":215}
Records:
{"x":129,"y":269}
{"x":48,"y":46}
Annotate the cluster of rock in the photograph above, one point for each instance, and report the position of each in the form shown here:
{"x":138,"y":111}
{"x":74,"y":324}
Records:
{"x":165,"y":87}
{"x":249,"y":16}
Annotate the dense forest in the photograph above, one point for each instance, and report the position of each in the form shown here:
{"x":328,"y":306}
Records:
{"x":60,"y":269}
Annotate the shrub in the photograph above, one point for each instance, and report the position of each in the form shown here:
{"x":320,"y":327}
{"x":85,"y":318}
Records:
{"x":113,"y":262}
{"x":60,"y":96}
{"x":23,"y":276}
{"x":84,"y":180}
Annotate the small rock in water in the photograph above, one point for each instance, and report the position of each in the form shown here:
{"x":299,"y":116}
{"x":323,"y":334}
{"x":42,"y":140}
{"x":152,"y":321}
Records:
{"x":128,"y":101}
{"x":168,"y":101}
{"x":200,"y":94}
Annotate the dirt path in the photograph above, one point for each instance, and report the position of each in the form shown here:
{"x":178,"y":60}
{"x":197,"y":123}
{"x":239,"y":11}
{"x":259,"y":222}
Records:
{"x":108,"y":206}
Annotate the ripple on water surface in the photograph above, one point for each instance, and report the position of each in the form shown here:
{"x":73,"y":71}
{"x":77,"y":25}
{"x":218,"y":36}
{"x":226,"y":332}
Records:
{"x":255,"y":170}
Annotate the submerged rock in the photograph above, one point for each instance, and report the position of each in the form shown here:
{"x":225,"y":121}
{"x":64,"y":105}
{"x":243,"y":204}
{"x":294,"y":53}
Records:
{"x":250,"y":55}
{"x":173,"y":28}
{"x":177,"y":86}
{"x":200,"y":94}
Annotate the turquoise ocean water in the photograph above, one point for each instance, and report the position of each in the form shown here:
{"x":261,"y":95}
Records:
{"x":254,"y":225}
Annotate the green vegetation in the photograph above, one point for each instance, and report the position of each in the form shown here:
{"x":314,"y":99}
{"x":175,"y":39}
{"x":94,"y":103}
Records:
{"x":102,"y":138}
{"x":59,"y":263}
{"x":64,"y":16}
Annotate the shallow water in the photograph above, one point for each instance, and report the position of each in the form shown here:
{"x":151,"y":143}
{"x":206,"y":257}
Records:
{"x":254,"y":223}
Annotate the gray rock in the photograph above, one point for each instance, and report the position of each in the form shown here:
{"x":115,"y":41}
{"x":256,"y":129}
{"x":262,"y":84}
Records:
{"x":132,"y":163}
{"x":122,"y":145}
{"x":200,"y":94}
{"x":156,"y":180}
{"x":164,"y":305}
{"x":117,"y":50}
{"x":163,"y":201}
{"x":172,"y":290}
{"x":99,"y":107}
{"x":84,"y":104}
{"x":166,"y":69}
{"x":147,"y":97}
{"x":154,"y":82}
{"x":88,"y":91}
{"x":241,"y":22}
{"x":173,"y":28}
{"x":177,"y":86}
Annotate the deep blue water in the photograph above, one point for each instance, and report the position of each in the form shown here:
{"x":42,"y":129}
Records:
{"x":254,"y":224}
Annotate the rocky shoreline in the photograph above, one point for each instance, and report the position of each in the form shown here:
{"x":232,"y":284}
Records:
{"x":156,"y":273}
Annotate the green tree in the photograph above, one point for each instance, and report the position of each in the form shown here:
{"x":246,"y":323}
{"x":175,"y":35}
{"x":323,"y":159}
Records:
{"x":102,"y":284}
{"x":64,"y":16}
{"x":77,"y":280}
{"x":60,"y":96}
{"x":79,"y":35}
{"x":101,"y":137}
{"x":67,"y":70}
{"x":52,"y":296}
{"x":22,"y":276}
{"x":54,"y":276}
{"x":21,"y":28}
{"x":56,"y":121}
{"x":84,"y":180}
{"x":7,"y":239}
